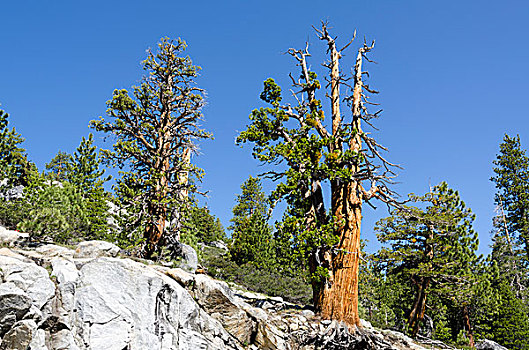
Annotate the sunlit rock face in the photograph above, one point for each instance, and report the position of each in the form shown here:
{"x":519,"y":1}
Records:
{"x":80,"y":299}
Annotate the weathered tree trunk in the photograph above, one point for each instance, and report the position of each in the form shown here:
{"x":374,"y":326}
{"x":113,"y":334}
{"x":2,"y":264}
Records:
{"x":336,"y":297}
{"x":419,"y":306}
{"x":468,"y":327}
{"x":157,"y":212}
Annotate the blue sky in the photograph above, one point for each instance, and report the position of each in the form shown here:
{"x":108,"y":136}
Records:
{"x":453,"y":77}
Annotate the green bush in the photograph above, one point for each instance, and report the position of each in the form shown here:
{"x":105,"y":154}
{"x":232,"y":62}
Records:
{"x":292,"y":288}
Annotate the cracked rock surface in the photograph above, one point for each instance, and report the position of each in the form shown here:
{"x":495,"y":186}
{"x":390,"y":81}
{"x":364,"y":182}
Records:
{"x":56,"y":298}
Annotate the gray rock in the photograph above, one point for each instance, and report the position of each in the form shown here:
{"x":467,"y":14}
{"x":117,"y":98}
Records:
{"x":39,"y":340}
{"x":96,"y":249}
{"x":31,"y":278}
{"x":15,"y":192}
{"x":10,"y":237}
{"x":218,"y":300}
{"x":14,"y":304}
{"x":188,"y":256}
{"x":486,"y":344}
{"x":19,"y":336}
{"x":219,"y":244}
{"x":102,"y":303}
{"x":121,"y":303}
{"x":184,"y":278}
{"x":52,"y":250}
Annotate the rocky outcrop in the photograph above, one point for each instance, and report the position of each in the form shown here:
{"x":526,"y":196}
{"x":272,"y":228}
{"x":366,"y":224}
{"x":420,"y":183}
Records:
{"x":54,"y":297}
{"x":11,"y":237}
{"x":489,"y":345}
{"x":187,"y":256}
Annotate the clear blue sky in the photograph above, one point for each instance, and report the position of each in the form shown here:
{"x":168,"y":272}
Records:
{"x":453,"y":77}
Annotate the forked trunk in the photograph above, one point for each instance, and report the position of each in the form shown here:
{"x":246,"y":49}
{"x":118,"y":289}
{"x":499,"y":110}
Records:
{"x":419,"y":307}
{"x":336,"y":297}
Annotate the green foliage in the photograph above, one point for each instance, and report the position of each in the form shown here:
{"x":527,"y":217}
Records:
{"x":252,"y":239}
{"x":269,"y":281}
{"x":253,"y":242}
{"x":201,"y":226}
{"x":376,"y":294}
{"x":84,"y":173}
{"x":434,"y":247}
{"x":55,"y":211}
{"x":15,"y":171}
{"x":504,"y":317}
{"x":512,"y":181}
{"x":58,"y":166}
{"x":14,"y":166}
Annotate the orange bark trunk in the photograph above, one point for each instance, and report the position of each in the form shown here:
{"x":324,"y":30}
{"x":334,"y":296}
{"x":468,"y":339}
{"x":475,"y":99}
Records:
{"x":157,"y":212}
{"x":336,"y":297}
{"x":468,"y":327}
{"x":419,"y":307}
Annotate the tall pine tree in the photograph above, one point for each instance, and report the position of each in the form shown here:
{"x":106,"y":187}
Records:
{"x":84,"y":173}
{"x":512,"y":182}
{"x":252,"y":236}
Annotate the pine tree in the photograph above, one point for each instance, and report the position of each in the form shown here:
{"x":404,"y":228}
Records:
{"x":84,"y":173}
{"x":252,"y":239}
{"x":156,"y":129}
{"x":434,"y":247}
{"x":512,"y":182}
{"x":58,"y":166}
{"x":509,"y":257}
{"x":203,"y":225}
{"x":55,"y":211}
{"x":14,"y":165}
{"x":15,"y":171}
{"x":501,"y":316}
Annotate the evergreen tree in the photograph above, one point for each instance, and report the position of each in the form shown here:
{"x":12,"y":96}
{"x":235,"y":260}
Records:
{"x":252,"y":239}
{"x":203,"y":225}
{"x":15,"y":171}
{"x":58,"y":166}
{"x":55,"y":211}
{"x":156,"y":129}
{"x":501,"y":316}
{"x":508,"y":257}
{"x":14,"y":166}
{"x":434,"y":247}
{"x":512,"y":182}
{"x":84,"y":174}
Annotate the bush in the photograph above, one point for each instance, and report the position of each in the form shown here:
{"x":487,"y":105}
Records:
{"x":292,"y":288}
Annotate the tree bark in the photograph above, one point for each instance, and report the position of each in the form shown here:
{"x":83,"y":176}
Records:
{"x":157,"y":212}
{"x":419,"y":306}
{"x":468,"y":328}
{"x":336,"y":297}
{"x":157,"y":208}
